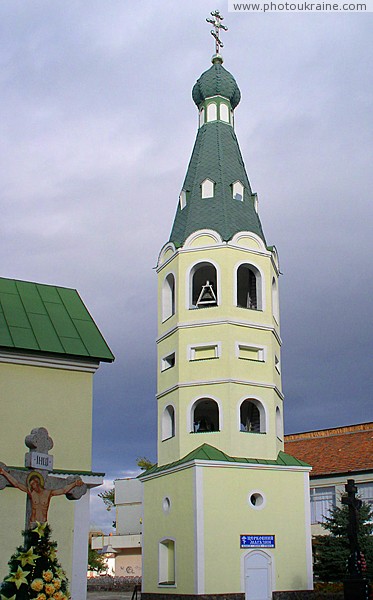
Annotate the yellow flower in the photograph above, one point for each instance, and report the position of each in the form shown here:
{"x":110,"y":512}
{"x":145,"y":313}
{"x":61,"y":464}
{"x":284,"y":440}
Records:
{"x":37,"y":585}
{"x":28,"y":558}
{"x":40,"y":528}
{"x":57,"y":583}
{"x":47,"y":575}
{"x":41,"y":597}
{"x":58,"y":595}
{"x":19,"y":577}
{"x":49,"y":589}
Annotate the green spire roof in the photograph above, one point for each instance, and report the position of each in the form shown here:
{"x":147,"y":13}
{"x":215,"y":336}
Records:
{"x":216,"y":156}
{"x":49,"y":319}
{"x":216,"y":81}
{"x":207,"y":452}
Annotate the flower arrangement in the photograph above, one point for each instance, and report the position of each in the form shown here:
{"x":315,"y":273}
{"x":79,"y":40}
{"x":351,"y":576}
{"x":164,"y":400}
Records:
{"x":34,"y":571}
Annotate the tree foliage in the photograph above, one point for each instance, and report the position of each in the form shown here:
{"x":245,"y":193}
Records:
{"x":144,"y":463}
{"x":34,"y":571}
{"x":108,"y":498}
{"x":96,"y":561}
{"x":332,"y":551}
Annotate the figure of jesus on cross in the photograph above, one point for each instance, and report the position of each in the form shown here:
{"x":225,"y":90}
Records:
{"x":40,"y":497}
{"x":39,"y":485}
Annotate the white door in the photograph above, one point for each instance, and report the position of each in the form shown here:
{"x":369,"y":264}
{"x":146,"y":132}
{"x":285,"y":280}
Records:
{"x":258,"y":585}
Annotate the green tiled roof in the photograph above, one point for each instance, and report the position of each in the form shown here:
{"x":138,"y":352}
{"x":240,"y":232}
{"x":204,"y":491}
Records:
{"x":216,"y":156}
{"x":207,"y":452}
{"x":49,"y":319}
{"x":216,"y":81}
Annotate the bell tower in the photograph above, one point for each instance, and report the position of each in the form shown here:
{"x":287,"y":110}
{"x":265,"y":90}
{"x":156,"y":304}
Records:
{"x":219,"y":379}
{"x":225,"y":509}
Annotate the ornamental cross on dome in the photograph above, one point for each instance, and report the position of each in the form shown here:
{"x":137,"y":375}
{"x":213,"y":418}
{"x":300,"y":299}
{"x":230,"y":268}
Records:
{"x":216,"y":21}
{"x":36,"y":480}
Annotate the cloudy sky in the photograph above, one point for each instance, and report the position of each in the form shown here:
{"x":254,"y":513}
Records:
{"x":96,"y":131}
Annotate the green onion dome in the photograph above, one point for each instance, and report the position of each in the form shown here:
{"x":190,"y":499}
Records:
{"x":216,"y":81}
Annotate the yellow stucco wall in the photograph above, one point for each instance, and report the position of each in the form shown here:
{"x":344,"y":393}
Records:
{"x":61,"y":401}
{"x":177,"y":524}
{"x":228,"y":378}
{"x":228,"y":514}
{"x":225,"y":513}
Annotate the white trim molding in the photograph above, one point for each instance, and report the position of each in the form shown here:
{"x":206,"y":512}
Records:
{"x":31,"y":360}
{"x":201,"y":232}
{"x":199,"y":533}
{"x":184,"y":384}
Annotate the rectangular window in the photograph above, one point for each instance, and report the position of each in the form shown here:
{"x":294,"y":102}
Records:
{"x":250,"y":352}
{"x":168,"y":362}
{"x":204,"y":352}
{"x":277,"y":364}
{"x":365,"y":492}
{"x":322,"y":501}
{"x":167,"y":562}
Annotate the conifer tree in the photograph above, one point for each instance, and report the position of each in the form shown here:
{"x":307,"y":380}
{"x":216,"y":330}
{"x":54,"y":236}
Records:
{"x":34,"y":571}
{"x":332,"y":551}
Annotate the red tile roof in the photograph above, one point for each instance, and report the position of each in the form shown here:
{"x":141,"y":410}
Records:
{"x":331,"y":451}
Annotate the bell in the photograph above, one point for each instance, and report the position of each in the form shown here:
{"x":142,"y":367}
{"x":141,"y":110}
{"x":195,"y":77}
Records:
{"x":207,"y":295}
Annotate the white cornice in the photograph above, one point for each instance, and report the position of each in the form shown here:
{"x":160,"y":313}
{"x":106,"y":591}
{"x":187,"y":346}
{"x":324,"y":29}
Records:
{"x":205,"y":323}
{"x":227,"y":465}
{"x":186,"y":384}
{"x":50,"y":362}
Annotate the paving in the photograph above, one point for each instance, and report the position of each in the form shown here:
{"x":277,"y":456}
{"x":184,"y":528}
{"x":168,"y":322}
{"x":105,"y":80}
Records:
{"x":110,"y":595}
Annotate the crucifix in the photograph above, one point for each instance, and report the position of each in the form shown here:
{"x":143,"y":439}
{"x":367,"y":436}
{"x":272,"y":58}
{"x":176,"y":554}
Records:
{"x":216,"y":21}
{"x":35,"y":480}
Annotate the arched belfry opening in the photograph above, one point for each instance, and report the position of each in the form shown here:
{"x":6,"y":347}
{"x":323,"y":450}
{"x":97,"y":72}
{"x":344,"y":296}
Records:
{"x":204,"y":286}
{"x":249,"y":287}
{"x":205,"y":416}
{"x":168,"y":297}
{"x":252,"y":417}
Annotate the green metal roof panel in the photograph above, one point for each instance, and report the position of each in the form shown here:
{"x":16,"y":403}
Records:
{"x":216,"y":81}
{"x":48,"y":319}
{"x":216,"y":155}
{"x":207,"y":452}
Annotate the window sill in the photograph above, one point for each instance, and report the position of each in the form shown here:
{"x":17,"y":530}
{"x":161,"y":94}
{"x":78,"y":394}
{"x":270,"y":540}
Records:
{"x":167,"y":584}
{"x":253,"y":432}
{"x":168,"y":438}
{"x":201,"y":432}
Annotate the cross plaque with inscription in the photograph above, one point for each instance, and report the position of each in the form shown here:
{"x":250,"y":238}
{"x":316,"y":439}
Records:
{"x":36,"y":480}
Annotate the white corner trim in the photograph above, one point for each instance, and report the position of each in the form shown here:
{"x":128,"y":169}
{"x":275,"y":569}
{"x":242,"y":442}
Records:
{"x":307,"y":514}
{"x":80,"y":548}
{"x":199,"y":533}
{"x":50,"y":362}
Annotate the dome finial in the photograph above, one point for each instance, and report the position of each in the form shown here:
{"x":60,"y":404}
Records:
{"x":216,"y":21}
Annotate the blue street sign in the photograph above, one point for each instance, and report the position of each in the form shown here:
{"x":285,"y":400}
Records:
{"x":257,"y":541}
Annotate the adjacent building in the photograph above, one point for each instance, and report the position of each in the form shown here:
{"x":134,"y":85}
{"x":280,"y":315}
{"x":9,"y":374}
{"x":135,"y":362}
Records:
{"x":336,"y":455}
{"x":50,"y":348}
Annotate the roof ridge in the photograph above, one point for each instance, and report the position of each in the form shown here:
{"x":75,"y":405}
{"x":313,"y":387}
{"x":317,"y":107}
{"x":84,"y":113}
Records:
{"x":332,"y":432}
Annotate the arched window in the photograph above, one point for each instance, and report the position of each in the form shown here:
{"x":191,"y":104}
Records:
{"x":279,"y":426}
{"x":252,"y":417}
{"x":207,"y":188}
{"x":168,"y":423}
{"x":224,"y":112}
{"x":166,"y":562}
{"x":201,"y":117}
{"x":204,"y":286}
{"x":205,"y":416}
{"x":237,"y":190}
{"x":168,"y":297}
{"x":212,"y":113}
{"x":275,"y":307}
{"x":249,"y":287}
